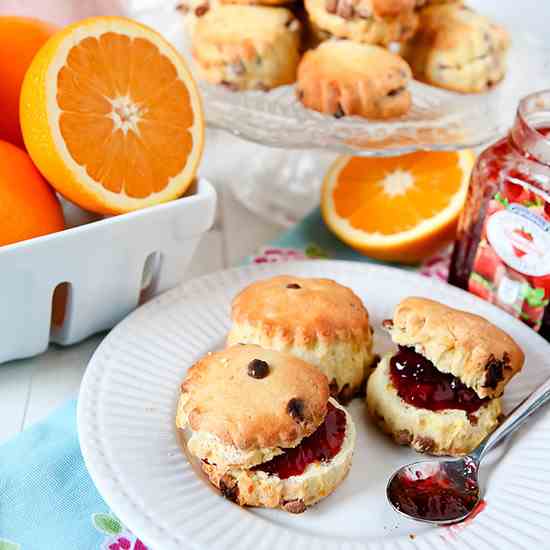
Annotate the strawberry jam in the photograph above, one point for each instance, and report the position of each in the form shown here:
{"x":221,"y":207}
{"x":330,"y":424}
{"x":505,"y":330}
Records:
{"x":322,"y":445}
{"x":420,"y":384}
{"x":432,"y":498}
{"x":503,"y":235}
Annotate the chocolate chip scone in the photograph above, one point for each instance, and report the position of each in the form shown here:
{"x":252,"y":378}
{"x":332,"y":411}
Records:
{"x":265,"y":429}
{"x":341,"y":77}
{"x":457,"y":49}
{"x":247,"y":47}
{"x":439,"y":393}
{"x":370,"y":21}
{"x":317,"y":320}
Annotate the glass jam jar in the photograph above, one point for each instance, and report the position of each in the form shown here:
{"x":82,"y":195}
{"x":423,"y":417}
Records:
{"x":502,"y":251}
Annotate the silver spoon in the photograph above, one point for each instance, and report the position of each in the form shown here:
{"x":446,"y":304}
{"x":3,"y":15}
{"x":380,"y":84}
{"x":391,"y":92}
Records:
{"x":459,"y":475}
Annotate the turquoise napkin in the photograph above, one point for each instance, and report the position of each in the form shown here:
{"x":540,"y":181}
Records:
{"x":47,"y":499}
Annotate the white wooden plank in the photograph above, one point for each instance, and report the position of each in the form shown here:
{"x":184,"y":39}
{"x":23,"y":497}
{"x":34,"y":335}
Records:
{"x":15,"y":379}
{"x":56,"y":377}
{"x":208,"y":257}
{"x":244,"y":232}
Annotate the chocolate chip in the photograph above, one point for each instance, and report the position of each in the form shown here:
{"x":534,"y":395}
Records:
{"x":396,"y":91}
{"x":473,"y":419}
{"x":494,"y":373}
{"x":387,"y":324}
{"x":300,"y":94}
{"x":333,"y":388}
{"x":229,"y":488}
{"x":425,"y":444}
{"x":258,"y":368}
{"x":293,"y":286}
{"x":230,"y":85}
{"x":339,"y":111}
{"x":295,"y":506}
{"x":403,"y":437}
{"x":295,"y":408}
{"x":345,"y":395}
{"x":201,"y":10}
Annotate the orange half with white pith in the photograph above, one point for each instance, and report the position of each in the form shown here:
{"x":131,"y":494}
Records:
{"x":398,"y":209}
{"x":111,"y":116}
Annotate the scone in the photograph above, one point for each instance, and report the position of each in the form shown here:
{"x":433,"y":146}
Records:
{"x":439,"y":393}
{"x":247,"y":47}
{"x":265,"y":429}
{"x":341,"y":78}
{"x":457,"y":49}
{"x":317,"y":320}
{"x":370,"y":21}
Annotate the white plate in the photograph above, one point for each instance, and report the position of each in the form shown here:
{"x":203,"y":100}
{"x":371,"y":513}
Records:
{"x":126,"y":425}
{"x":438,"y":119}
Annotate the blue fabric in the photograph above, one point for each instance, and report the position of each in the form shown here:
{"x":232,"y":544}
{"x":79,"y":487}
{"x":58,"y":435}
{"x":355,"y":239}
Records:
{"x":46,"y":494}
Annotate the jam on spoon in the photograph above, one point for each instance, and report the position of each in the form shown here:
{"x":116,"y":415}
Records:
{"x":433,"y":498}
{"x":420,"y":384}
{"x":322,"y":445}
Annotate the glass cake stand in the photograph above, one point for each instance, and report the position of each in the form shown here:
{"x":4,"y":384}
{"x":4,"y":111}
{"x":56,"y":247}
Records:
{"x":294,"y":145}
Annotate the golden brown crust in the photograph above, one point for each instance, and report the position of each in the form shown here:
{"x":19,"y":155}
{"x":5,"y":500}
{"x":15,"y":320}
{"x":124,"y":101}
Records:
{"x":320,"y":308}
{"x":222,"y":399}
{"x":468,"y":346}
{"x":457,"y":49}
{"x":247,"y":47}
{"x":342,"y":77}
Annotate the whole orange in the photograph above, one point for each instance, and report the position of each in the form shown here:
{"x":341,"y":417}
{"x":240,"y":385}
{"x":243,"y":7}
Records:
{"x":20,"y":39}
{"x":28,"y":205}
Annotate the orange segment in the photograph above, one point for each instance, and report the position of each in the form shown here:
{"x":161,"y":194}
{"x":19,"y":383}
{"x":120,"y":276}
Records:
{"x":111,"y":116}
{"x":397,"y":208}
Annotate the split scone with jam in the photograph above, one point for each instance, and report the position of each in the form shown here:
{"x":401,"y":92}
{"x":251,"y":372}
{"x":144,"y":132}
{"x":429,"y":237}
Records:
{"x":265,"y":428}
{"x":439,"y":393}
{"x":247,"y":47}
{"x":317,"y":320}
{"x":457,"y":48}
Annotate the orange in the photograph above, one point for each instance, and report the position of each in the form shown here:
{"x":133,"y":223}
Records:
{"x":20,"y":39}
{"x":28,"y":205}
{"x":111,"y":116}
{"x":398,"y":209}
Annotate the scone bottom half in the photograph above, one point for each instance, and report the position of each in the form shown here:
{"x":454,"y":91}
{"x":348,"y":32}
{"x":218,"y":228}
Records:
{"x":439,"y":392}
{"x":241,"y":434}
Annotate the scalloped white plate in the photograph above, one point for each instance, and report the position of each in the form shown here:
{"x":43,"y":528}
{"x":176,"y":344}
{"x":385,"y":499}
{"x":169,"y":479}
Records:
{"x":126,"y":426}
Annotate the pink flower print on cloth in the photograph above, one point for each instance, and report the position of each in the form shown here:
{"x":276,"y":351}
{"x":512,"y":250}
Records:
{"x":117,"y":536}
{"x":271,"y":254}
{"x":437,"y":266}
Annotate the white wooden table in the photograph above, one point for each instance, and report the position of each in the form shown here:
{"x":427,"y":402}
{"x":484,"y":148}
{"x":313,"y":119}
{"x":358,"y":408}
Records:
{"x":32,"y":388}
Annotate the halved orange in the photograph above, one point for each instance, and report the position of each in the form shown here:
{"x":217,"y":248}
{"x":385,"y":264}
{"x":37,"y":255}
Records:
{"x":111,"y":116}
{"x":398,"y":209}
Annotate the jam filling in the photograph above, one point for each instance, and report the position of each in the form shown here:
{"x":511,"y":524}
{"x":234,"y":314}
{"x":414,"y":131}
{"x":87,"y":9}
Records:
{"x":321,"y":446}
{"x":420,"y":384}
{"x":431,"y":498}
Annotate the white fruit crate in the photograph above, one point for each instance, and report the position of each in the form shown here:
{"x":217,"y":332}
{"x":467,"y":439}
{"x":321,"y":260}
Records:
{"x":108,"y":267}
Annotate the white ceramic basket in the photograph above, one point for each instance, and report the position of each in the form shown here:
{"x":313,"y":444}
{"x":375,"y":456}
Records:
{"x":109,"y":267}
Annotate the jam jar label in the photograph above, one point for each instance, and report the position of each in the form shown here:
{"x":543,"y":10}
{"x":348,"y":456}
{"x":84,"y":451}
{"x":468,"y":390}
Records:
{"x":512,"y":263}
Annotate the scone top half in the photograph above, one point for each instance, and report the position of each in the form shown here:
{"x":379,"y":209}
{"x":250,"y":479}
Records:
{"x":245,"y":405}
{"x":480,"y":355}
{"x":317,"y":320}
